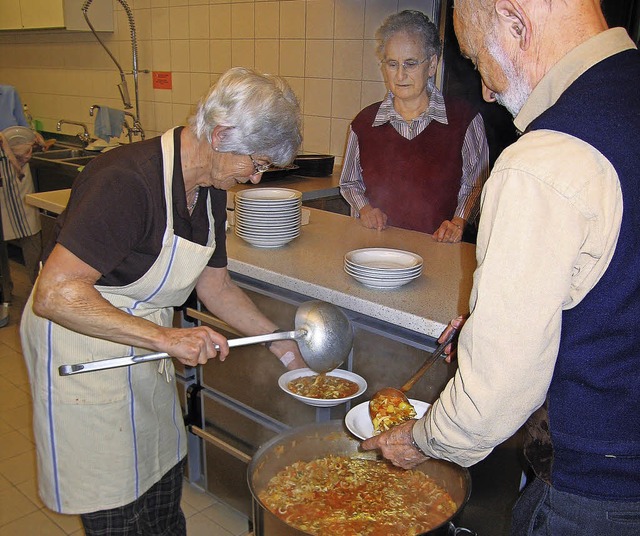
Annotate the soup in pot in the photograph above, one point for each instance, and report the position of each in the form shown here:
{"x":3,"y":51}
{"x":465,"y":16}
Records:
{"x":343,"y":496}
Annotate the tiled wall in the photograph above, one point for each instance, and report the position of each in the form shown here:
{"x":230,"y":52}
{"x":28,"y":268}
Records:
{"x":325,"y":49}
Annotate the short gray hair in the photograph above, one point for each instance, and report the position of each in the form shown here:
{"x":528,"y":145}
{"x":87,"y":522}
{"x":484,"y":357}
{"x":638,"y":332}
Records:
{"x":261,"y":111}
{"x":411,"y":22}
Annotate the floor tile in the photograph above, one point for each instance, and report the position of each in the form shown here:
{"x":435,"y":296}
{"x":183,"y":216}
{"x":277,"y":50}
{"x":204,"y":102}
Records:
{"x":14,"y":505}
{"x":228,"y":518}
{"x":201,"y":525}
{"x":20,"y":468}
{"x":68,"y":523}
{"x":34,"y":524}
{"x":196,"y":498}
{"x":12,"y":444}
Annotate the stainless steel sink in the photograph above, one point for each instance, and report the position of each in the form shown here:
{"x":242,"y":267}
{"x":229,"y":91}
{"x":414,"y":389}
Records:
{"x":63,"y":154}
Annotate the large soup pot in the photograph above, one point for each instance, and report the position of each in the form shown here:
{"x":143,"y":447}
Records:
{"x":314,"y":441}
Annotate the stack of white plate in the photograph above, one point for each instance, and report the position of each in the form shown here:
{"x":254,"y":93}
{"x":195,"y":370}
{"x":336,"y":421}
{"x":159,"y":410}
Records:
{"x":268,"y":217}
{"x":382,"y":267}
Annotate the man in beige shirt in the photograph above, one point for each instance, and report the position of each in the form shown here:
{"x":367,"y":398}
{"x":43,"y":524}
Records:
{"x":550,"y":243}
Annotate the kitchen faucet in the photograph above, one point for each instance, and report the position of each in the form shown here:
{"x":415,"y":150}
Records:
{"x":85,"y":137}
{"x":135,"y":129}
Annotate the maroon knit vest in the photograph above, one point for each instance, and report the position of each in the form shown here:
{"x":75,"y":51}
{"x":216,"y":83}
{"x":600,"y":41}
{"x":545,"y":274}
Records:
{"x":415,"y":182}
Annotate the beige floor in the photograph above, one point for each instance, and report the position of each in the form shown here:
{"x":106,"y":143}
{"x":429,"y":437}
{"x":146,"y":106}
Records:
{"x":21,"y":511}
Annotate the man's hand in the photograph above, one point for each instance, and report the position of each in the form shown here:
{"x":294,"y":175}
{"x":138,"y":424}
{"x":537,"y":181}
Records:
{"x":456,"y":323}
{"x":396,"y":446}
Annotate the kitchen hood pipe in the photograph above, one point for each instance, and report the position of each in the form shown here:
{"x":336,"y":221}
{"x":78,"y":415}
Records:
{"x":122,"y":86}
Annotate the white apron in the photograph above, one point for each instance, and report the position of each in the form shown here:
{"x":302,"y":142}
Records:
{"x":104,"y":438}
{"x":18,"y":218}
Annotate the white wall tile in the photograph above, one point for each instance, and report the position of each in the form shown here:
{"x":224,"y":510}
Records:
{"x":292,"y":19}
{"x":199,"y":56}
{"x":316,"y":134}
{"x":347,"y":59}
{"x":179,"y":22}
{"x":292,"y":54}
{"x":346,"y":98}
{"x":180,"y":55}
{"x":317,"y":93}
{"x":267,"y":19}
{"x":242,"y":21}
{"x":267,"y":55}
{"x":220,"y":22}
{"x":220,"y":56}
{"x":160,"y":23}
{"x":199,"y":22}
{"x":349,"y":19}
{"x":319,"y":58}
{"x":319,"y":19}
{"x":243,"y":53}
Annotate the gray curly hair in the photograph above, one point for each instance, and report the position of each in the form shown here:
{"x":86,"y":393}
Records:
{"x":414,"y":23}
{"x":261,"y":111}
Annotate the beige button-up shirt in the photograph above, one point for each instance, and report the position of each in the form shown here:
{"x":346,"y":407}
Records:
{"x":551,"y":213}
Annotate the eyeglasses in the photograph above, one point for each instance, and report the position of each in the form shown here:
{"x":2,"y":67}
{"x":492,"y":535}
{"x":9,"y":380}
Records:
{"x":408,"y":65}
{"x":259,"y":168}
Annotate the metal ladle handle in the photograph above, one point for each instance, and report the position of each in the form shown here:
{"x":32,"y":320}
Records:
{"x":430,"y":361}
{"x":115,"y":362}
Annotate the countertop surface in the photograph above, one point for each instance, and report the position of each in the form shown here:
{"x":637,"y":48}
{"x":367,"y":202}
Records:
{"x":311,"y":188}
{"x":313,"y":265}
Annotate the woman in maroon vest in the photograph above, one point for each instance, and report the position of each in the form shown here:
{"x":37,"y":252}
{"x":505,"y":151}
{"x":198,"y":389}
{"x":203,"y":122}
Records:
{"x":415,"y":160}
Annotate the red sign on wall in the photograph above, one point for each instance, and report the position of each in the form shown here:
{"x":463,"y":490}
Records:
{"x":161,"y":80}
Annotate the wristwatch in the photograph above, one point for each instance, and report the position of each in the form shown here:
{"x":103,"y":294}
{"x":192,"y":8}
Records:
{"x":417,"y":447}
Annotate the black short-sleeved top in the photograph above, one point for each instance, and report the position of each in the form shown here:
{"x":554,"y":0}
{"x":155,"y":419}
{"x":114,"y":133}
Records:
{"x":116,"y":216}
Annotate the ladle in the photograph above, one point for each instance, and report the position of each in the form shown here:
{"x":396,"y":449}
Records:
{"x":323,"y":333}
{"x":398,"y":395}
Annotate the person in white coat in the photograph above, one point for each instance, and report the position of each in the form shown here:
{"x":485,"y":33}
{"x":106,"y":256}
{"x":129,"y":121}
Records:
{"x":144,"y":227}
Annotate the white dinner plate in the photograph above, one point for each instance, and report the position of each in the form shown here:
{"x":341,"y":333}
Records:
{"x":382,"y":275}
{"x":384,"y":258}
{"x":381,"y":283}
{"x":284,"y":380}
{"x":264,"y":208}
{"x":268,"y":194}
{"x":242,"y":233}
{"x":263,"y":227}
{"x":359,"y":423}
{"x":380,"y":271}
{"x":268,"y":221}
{"x":264,"y":243}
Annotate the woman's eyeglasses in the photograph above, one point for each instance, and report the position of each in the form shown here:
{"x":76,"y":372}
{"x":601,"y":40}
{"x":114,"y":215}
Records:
{"x":259,"y":168}
{"x":408,"y":65}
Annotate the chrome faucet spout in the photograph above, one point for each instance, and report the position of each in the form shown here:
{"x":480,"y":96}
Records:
{"x":84,"y":136}
{"x":136,"y":129}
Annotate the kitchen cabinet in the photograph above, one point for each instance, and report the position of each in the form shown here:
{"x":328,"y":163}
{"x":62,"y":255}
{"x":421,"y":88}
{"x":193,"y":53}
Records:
{"x":54,"y":14}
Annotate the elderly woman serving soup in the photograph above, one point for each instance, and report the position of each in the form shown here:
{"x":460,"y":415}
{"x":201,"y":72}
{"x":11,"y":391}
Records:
{"x":144,"y":226}
{"x":416,"y":160}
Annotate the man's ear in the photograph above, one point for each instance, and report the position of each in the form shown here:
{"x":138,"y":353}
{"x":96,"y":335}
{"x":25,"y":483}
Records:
{"x":512,"y":16}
